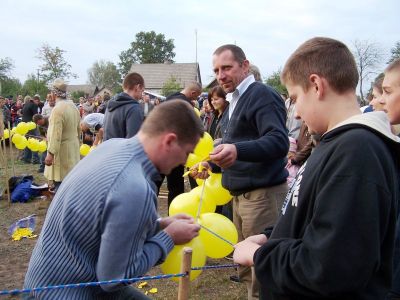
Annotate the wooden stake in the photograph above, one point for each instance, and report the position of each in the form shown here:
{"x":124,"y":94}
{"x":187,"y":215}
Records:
{"x":11,"y":151}
{"x":184,"y":282}
{"x":6,"y":174}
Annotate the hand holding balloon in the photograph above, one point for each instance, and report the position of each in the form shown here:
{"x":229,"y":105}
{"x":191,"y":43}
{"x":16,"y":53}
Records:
{"x":182,"y":231}
{"x":164,"y":222}
{"x":224,"y":155}
{"x":200,"y":170}
{"x":244,"y":251}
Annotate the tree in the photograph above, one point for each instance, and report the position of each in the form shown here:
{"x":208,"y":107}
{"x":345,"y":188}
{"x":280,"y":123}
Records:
{"x":147,"y":48}
{"x":395,"y":53}
{"x":34,"y":86}
{"x":104,"y":74}
{"x":76,"y":95}
{"x":274,"y":80}
{"x":368,"y":57}
{"x":54,"y":64}
{"x":10,"y":87}
{"x":6,"y":65}
{"x":170,"y":87}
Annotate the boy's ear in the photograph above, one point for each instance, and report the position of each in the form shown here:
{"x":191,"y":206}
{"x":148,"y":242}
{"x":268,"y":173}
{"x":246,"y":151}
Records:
{"x":317,"y":84}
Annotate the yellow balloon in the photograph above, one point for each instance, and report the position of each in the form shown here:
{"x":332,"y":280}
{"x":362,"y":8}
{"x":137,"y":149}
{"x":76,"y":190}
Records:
{"x":6,"y":133}
{"x":33,"y":144}
{"x":22,"y":143}
{"x":199,"y":181}
{"x":214,"y":246}
{"x":214,"y":191}
{"x":42,"y":146}
{"x":84,"y":149}
{"x":173,"y":263}
{"x":192,"y":160}
{"x":14,"y":130}
{"x":196,"y":111}
{"x":16,"y":138}
{"x":22,"y":128}
{"x":204,"y":146}
{"x":31,"y":125}
{"x":188,"y":203}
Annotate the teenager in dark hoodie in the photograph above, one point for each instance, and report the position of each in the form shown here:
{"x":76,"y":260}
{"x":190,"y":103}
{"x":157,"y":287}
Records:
{"x":335,"y":237}
{"x":124,"y":115}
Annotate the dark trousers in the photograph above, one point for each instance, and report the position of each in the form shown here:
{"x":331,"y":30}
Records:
{"x":175,"y":183}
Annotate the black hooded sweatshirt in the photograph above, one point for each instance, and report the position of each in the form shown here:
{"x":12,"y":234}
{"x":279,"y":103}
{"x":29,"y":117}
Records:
{"x":335,"y":237}
{"x":123,"y":117}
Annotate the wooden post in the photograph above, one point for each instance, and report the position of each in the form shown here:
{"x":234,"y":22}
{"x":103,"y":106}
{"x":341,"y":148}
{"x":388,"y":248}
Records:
{"x":5,"y":164}
{"x":10,"y":144}
{"x":184,"y":282}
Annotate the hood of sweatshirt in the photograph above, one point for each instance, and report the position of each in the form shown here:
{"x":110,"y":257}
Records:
{"x":377,"y":122}
{"x":121,"y":99}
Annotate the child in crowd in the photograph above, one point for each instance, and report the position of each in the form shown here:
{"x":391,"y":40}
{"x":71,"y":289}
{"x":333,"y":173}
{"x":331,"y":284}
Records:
{"x":334,"y":239}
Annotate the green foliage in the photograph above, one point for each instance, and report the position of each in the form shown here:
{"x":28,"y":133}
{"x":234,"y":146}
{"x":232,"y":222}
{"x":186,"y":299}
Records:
{"x":170,"y":87}
{"x":147,"y":48}
{"x":104,"y":74}
{"x":395,"y":53}
{"x":76,"y":95}
{"x":10,"y":87}
{"x":6,"y":65}
{"x":54,"y":64}
{"x":32,"y":86}
{"x":274,"y":81}
{"x":118,"y":89}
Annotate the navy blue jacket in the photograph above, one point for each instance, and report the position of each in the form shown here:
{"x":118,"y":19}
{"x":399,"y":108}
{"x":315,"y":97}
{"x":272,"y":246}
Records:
{"x":257,"y":129}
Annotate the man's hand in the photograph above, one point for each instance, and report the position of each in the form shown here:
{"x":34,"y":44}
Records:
{"x":49,"y":159}
{"x":200,"y":170}
{"x":244,"y":253}
{"x":182,"y":231}
{"x":164,"y":222}
{"x":224,"y":155}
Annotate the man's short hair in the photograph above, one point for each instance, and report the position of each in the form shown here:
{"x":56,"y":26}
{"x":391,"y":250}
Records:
{"x":326,"y":57}
{"x":237,"y":52}
{"x":37,"y":117}
{"x":193,"y":86}
{"x":393,"y":65}
{"x":175,"y":116}
{"x":131,"y":80}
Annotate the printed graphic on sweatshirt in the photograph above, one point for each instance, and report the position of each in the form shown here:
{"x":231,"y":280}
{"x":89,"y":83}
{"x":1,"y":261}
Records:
{"x":293,"y":194}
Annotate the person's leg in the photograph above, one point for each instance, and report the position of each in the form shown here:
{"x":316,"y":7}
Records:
{"x":175,"y":183}
{"x":42,"y":158}
{"x":27,"y":155}
{"x":259,"y":209}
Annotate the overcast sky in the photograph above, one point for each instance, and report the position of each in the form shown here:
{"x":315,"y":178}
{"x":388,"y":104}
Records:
{"x":268,"y":31}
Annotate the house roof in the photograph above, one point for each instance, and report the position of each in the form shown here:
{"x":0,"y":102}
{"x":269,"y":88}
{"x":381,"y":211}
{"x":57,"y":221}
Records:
{"x":155,"y":75}
{"x":86,"y":88}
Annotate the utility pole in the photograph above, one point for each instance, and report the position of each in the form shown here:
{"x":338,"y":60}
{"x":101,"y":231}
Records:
{"x":37,"y":83}
{"x":196,"y":43}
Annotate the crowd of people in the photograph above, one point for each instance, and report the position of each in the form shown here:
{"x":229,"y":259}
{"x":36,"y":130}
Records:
{"x":314,"y":181}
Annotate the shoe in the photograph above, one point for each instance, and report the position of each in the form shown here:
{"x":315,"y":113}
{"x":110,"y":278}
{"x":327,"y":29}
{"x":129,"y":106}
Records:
{"x":36,"y":163}
{"x":235,"y":278}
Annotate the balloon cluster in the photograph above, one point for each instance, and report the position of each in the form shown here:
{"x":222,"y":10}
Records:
{"x":17,"y":136}
{"x":85,"y":149}
{"x":217,"y":233}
